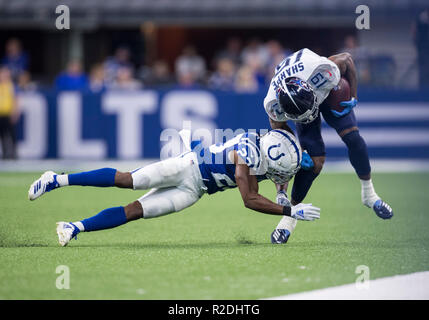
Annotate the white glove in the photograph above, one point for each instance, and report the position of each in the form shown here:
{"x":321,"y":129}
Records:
{"x":305,"y":211}
{"x":282,"y":199}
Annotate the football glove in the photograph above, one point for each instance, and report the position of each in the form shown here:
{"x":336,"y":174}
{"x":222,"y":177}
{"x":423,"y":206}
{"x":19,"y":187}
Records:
{"x":306,"y":162}
{"x":348,"y":106}
{"x":305,"y":211}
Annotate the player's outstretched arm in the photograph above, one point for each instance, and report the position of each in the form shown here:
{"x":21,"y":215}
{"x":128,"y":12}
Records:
{"x":347,"y":68}
{"x":248,"y":186}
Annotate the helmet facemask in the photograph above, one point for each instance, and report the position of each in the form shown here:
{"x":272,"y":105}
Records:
{"x":298,"y":100}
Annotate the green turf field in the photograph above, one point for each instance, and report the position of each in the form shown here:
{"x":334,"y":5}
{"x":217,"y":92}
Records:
{"x":216,"y":249}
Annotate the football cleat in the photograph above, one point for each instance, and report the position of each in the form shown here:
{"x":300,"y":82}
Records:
{"x":280,"y":236}
{"x":47,"y":182}
{"x":382,"y":209}
{"x":66,"y":231}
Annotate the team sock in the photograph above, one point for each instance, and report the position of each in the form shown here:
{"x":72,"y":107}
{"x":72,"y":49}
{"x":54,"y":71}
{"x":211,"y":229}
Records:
{"x":287,"y":223}
{"x":63,"y":180}
{"x":96,"y":178}
{"x":359,"y":159}
{"x":369,"y":196}
{"x":106,"y":219}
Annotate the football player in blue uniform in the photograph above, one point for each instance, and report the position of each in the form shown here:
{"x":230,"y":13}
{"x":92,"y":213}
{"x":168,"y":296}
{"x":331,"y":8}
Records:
{"x":297,"y":91}
{"x":177,"y":183}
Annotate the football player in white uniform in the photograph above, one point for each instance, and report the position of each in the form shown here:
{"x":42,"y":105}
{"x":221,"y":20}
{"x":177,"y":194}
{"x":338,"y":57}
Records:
{"x":179,"y":182}
{"x":300,"y":85}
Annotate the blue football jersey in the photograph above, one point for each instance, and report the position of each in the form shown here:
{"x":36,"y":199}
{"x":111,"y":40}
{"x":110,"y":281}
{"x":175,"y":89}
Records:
{"x":217,"y":166}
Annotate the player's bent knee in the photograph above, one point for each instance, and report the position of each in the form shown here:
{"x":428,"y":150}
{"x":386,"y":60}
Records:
{"x":347,"y":131}
{"x":134,"y":211}
{"x":160,"y":202}
{"x":354,"y":140}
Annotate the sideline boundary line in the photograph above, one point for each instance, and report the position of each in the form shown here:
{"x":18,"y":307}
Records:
{"x":413,"y":286}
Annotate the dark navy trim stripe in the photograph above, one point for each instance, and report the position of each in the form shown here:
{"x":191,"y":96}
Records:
{"x":293,"y":143}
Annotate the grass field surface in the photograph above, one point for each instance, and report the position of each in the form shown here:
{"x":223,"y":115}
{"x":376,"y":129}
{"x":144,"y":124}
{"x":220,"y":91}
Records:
{"x":217,"y":249}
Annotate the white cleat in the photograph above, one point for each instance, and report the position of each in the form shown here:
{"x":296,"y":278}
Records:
{"x":47,"y":182}
{"x":65,"y":232}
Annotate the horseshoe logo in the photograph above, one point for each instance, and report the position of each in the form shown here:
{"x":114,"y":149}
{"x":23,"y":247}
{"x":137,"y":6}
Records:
{"x":278,"y":156}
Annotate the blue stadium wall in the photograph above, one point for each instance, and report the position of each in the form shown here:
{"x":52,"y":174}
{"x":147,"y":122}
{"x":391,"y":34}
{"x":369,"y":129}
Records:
{"x":129,"y":125}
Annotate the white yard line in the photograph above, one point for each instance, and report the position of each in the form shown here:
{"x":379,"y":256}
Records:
{"x":414,"y":286}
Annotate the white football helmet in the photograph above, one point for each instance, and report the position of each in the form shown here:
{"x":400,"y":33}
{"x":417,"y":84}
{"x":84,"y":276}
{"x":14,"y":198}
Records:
{"x":282,"y":154}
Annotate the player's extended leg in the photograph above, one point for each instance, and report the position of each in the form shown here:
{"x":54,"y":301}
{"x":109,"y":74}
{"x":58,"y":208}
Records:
{"x":347,"y":129}
{"x":178,"y":185}
{"x":311,"y":140}
{"x":105,"y":177}
{"x":282,"y":233}
{"x":166,"y":173}
{"x":155,"y":203}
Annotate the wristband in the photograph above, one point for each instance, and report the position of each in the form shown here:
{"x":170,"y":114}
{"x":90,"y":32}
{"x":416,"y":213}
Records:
{"x":287,"y":211}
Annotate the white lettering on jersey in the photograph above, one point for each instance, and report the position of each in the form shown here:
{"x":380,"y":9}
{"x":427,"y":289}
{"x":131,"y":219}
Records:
{"x":320,"y":72}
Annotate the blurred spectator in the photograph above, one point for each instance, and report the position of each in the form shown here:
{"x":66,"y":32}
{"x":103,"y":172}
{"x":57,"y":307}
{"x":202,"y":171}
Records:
{"x":361,"y":58}
{"x":231,"y":52}
{"x":97,"y":82}
{"x":223,"y":77}
{"x":73,"y":78}
{"x":119,"y":60}
{"x":187,"y":80}
{"x":246,"y":81}
{"x":256,"y":66}
{"x":25,"y":83}
{"x":8,"y":114}
{"x":15,"y":59}
{"x":276,"y":54}
{"x":159,"y":74}
{"x":125,"y":80}
{"x":421,"y":40}
{"x":190,"y":65}
{"x":255,"y":53}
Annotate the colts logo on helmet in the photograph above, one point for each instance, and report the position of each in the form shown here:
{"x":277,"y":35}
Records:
{"x":278,"y":155}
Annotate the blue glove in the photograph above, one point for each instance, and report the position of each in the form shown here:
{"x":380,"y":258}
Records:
{"x":348,"y":106}
{"x":306,"y":162}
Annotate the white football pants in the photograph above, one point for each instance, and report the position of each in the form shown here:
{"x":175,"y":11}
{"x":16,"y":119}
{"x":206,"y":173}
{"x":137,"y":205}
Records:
{"x":176,"y":184}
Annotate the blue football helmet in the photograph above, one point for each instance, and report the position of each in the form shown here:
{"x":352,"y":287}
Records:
{"x":297,"y":100}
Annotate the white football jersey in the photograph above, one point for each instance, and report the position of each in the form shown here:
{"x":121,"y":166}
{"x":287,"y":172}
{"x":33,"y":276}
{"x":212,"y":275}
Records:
{"x":319,"y":72}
